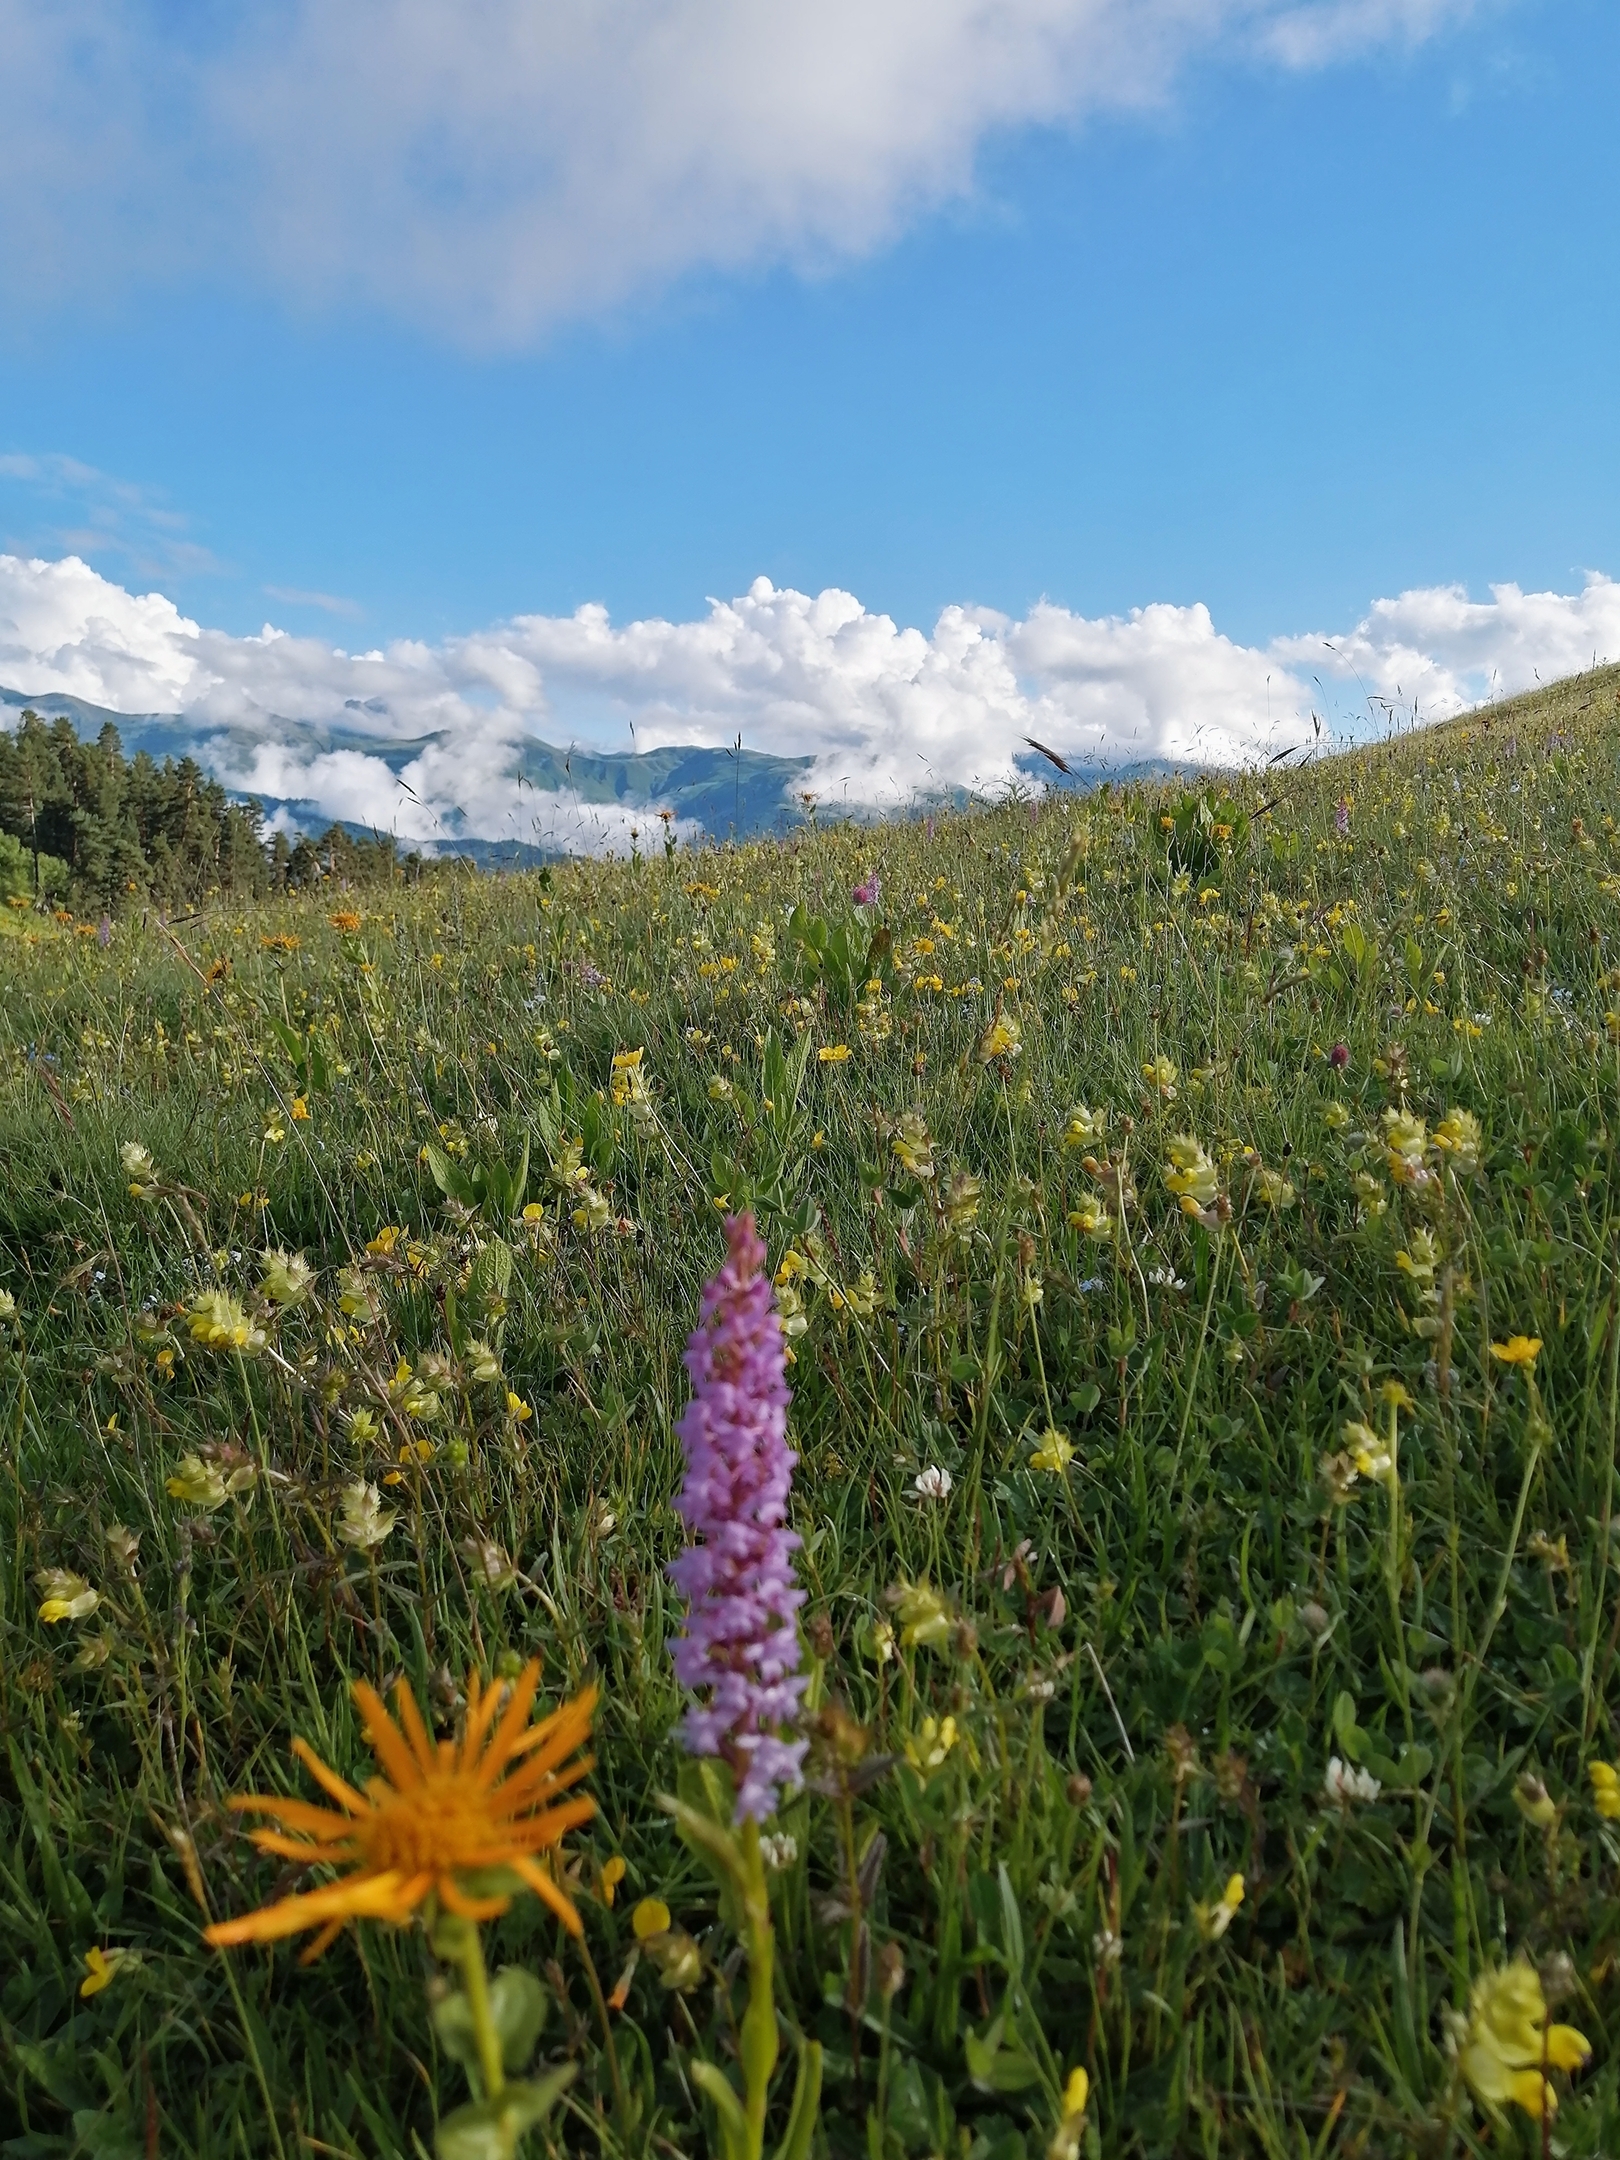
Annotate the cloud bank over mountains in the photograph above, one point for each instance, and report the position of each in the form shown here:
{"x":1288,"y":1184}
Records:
{"x":497,"y":167}
{"x":434,"y":740}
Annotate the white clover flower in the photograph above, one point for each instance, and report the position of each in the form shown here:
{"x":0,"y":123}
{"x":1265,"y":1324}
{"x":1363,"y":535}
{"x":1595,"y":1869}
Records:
{"x":1344,"y":1784}
{"x":934,"y":1483}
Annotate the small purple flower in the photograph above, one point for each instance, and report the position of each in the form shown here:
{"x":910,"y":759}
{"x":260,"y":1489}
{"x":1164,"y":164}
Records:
{"x":104,"y":932}
{"x":1341,"y":818}
{"x":1339,"y":1056}
{"x":869,"y":891}
{"x":741,"y":1645}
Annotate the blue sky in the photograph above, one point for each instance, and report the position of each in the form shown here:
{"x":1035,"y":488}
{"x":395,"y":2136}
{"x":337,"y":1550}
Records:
{"x":1057,"y":303}
{"x":1288,"y":342}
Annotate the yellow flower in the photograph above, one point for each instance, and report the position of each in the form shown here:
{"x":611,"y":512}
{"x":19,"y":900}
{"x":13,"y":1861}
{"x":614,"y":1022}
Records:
{"x":345,"y":920}
{"x":285,"y":1278}
{"x":299,"y":1110}
{"x":102,"y":1967}
{"x":1193,"y":1176}
{"x":1091,"y":1218}
{"x":1003,"y":1038}
{"x":443,"y":1816}
{"x":912,"y":1146}
{"x":1214,"y":1918}
{"x":627,"y":1081}
{"x":1508,"y":2041}
{"x":1163,"y":1076}
{"x":220,"y":1321}
{"x":612,"y":1875}
{"x":1406,"y":1140}
{"x":1055,"y":1452}
{"x":833,"y":1054}
{"x":517,"y":1409}
{"x":1517,"y":1350}
{"x":1085,"y":1127}
{"x":929,"y":1745}
{"x":66,"y":1596}
{"x":1605,"y":1789}
{"x":651,"y":1917}
{"x":205,"y":1485}
{"x":364,"y":1523}
{"x":1076,"y":2093}
{"x":1458,"y":1135}
{"x":924,"y":1615}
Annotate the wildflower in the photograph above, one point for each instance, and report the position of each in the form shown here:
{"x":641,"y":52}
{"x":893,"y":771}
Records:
{"x":740,"y":1643}
{"x":627,"y":1082}
{"x":1605,"y":1789}
{"x":869,"y":891}
{"x":1091,"y":1219}
{"x":779,"y":1852}
{"x":1162,"y":1075}
{"x":833,"y":1054}
{"x":929,"y":1745}
{"x":345,"y":920}
{"x":1371,"y":1455}
{"x":961,"y":1203}
{"x":1065,"y":2141}
{"x":517,"y":1409}
{"x":1274,"y":1188}
{"x":1003,"y":1038}
{"x":357,"y":1298}
{"x":1420,"y":1260}
{"x":439,"y":1814}
{"x":1055,"y":1452}
{"x":1371,"y":1197}
{"x":933,"y":1483}
{"x":1520,"y":1350}
{"x":613,"y":1873}
{"x":1084,"y":1127}
{"x":1405,"y":1142}
{"x":205,"y":1485}
{"x":221,"y":1322}
{"x":1193,"y":1176}
{"x":1343,"y":1783}
{"x":1339,"y":1056}
{"x":274,"y":1131}
{"x":364,"y":1523}
{"x":923,"y":1614}
{"x":285,"y":1278}
{"x":1458,"y":1136}
{"x":298,"y":1110}
{"x":651,"y":1917}
{"x":102,"y":1967}
{"x":1533,"y":1801}
{"x":65,"y":1596}
{"x":912,"y":1147}
{"x":1212,"y":1919}
{"x":1507,"y":2040}
{"x":1335,"y":1117}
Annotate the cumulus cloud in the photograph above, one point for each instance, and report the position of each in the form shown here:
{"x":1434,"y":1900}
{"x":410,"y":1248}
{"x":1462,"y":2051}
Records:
{"x":497,"y":166}
{"x":429,"y":740}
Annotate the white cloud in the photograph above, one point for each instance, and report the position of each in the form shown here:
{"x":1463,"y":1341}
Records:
{"x":435,"y":732}
{"x":499,"y":165}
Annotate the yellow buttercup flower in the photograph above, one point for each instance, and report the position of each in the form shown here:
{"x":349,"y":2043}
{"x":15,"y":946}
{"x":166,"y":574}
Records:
{"x":1605,"y":1789}
{"x":833,"y":1054}
{"x":1517,"y":1350}
{"x":1508,"y":2043}
{"x":444,"y":1815}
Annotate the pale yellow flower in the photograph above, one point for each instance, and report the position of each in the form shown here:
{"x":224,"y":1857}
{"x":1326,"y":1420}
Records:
{"x":1508,"y":2043}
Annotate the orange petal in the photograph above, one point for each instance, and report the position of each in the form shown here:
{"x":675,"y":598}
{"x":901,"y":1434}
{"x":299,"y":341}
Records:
{"x":539,"y":1831}
{"x":531,"y":1786}
{"x":385,"y":1738}
{"x":323,"y":1942}
{"x":464,"y":1907}
{"x":543,"y":1887}
{"x":301,"y":1815}
{"x":287,"y":1848}
{"x":358,"y":1897}
{"x":410,"y":1718}
{"x":328,"y":1780}
{"x":513,"y":1719}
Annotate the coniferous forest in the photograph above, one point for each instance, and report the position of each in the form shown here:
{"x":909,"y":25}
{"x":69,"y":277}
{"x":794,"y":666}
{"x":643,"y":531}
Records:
{"x":81,"y":824}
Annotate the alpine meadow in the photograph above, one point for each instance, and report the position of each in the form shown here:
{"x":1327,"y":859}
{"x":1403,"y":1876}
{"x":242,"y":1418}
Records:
{"x":931,"y":1488}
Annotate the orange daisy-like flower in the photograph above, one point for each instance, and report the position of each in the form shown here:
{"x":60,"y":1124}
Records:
{"x":491,"y":1799}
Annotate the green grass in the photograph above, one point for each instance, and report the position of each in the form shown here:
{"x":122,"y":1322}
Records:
{"x":1151,"y":1655}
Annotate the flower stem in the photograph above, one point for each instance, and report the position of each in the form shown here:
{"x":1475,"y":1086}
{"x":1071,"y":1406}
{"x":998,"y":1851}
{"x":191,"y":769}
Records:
{"x":470,"y":1957}
{"x":759,"y":2040}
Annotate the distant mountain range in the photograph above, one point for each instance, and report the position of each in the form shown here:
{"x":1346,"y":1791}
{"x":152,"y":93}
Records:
{"x":735,"y":792}
{"x":723,"y":791}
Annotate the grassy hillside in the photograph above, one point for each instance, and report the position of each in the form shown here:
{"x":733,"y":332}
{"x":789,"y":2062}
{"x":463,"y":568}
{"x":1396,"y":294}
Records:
{"x":1211,"y":1631}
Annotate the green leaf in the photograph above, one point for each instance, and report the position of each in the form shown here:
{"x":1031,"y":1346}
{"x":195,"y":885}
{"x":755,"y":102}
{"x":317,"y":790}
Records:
{"x":492,"y":2129}
{"x":1012,"y":1926}
{"x":733,"y":2124}
{"x":801,"y":2127}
